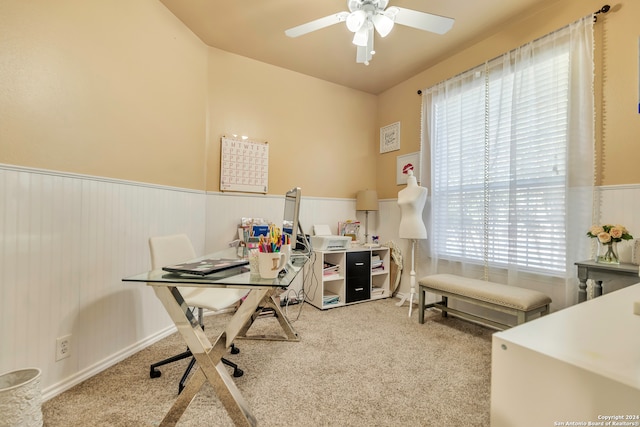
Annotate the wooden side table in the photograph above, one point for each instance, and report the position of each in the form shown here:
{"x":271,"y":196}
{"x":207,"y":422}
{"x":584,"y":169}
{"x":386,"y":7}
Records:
{"x":599,"y":272}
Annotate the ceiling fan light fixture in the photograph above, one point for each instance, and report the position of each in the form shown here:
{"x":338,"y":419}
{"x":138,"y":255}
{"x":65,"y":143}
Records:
{"x":383,"y":24}
{"x":356,"y":20}
{"x":370,"y":49}
{"x":361,"y":37}
{"x":366,"y":17}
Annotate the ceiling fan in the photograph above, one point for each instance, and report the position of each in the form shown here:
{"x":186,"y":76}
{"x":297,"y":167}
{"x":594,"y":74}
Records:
{"x":366,"y":15}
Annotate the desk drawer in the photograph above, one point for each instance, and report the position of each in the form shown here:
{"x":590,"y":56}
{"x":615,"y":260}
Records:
{"x":358,"y":264}
{"x":358,"y":289}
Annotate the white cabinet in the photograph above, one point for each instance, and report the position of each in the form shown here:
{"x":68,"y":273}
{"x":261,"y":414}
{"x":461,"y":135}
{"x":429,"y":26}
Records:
{"x":577,"y":365}
{"x":337,"y":278}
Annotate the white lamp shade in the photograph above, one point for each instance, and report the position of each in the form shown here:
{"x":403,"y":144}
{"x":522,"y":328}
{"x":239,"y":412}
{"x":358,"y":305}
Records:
{"x":383,"y":24}
{"x":367,"y":200}
{"x":361,"y":37}
{"x":355,"y":20}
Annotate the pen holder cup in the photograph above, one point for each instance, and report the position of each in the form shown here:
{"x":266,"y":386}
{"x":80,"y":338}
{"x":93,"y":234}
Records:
{"x":286,"y":249}
{"x":270,"y":264}
{"x":253,"y":262}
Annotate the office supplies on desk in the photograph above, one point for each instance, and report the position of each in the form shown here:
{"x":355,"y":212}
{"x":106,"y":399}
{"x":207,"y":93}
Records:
{"x":273,"y":241}
{"x":206,"y":266}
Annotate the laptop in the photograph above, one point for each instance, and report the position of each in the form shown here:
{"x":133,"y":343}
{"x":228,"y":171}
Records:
{"x":205,"y":266}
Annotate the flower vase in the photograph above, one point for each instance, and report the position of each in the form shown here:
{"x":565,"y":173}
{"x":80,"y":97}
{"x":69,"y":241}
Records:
{"x":608,"y":253}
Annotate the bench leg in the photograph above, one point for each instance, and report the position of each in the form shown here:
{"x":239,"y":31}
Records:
{"x":522,"y":317}
{"x":421,"y":297}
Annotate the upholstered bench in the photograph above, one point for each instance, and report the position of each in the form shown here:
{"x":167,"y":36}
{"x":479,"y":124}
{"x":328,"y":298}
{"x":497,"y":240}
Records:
{"x":522,"y":303}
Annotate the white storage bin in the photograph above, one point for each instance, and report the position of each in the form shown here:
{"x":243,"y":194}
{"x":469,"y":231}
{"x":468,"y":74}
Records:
{"x":21,"y":398}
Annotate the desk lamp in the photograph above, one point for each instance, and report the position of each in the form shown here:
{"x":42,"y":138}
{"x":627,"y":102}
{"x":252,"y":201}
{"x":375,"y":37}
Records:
{"x":367,"y":200}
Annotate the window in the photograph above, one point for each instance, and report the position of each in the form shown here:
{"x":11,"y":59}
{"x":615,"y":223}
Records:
{"x":501,"y":136}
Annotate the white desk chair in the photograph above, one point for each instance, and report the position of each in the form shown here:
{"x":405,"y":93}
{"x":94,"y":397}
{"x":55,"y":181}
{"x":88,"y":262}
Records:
{"x":173,"y":249}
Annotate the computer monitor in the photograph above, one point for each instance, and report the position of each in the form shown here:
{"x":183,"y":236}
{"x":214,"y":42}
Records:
{"x":291,"y":219}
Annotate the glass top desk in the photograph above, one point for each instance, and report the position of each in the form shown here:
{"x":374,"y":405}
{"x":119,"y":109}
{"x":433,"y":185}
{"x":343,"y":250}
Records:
{"x":262,"y":293}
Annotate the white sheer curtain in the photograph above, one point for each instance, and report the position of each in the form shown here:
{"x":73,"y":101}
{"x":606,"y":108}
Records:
{"x":509,"y":149}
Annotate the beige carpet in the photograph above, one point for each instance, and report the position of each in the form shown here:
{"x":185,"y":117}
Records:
{"x":362,"y":365}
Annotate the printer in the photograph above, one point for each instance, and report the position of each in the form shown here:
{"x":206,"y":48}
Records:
{"x":323,"y":240}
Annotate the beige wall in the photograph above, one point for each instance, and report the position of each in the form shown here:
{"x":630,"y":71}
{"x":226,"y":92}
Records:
{"x":122,"y":89}
{"x":321,"y":136}
{"x":616,"y":53}
{"x":107,"y":88}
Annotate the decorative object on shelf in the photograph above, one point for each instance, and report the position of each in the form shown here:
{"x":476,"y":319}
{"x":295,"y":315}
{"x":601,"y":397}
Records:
{"x":406,"y":163}
{"x":390,"y":137}
{"x":607,"y":253}
{"x":367,"y":201}
{"x":349,"y":228}
{"x":608,"y":237}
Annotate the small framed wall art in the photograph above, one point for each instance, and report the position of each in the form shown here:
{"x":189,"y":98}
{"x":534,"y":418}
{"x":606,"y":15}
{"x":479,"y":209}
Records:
{"x":390,"y":137}
{"x":406,"y":163}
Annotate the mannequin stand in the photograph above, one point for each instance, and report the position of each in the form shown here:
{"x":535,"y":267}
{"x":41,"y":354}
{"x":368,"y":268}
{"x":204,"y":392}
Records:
{"x":412,"y":275}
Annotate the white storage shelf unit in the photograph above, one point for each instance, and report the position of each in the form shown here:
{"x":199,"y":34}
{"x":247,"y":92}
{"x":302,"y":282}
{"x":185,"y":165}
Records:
{"x":338,"y":278}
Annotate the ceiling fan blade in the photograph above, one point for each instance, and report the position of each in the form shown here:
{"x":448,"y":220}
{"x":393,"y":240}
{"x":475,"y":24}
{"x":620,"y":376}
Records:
{"x":317,"y":24}
{"x":423,"y":21}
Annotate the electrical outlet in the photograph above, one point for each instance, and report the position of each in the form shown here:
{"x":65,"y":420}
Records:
{"x":63,"y":347}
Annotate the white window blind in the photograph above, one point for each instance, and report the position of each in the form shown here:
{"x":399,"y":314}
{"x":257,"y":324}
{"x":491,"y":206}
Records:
{"x":500,"y":137}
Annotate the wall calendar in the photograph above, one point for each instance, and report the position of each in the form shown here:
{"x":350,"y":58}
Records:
{"x":244,"y":165}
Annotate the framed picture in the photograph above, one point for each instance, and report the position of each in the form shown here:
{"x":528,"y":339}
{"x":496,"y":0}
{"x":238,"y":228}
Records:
{"x":406,"y":163}
{"x":390,"y":137}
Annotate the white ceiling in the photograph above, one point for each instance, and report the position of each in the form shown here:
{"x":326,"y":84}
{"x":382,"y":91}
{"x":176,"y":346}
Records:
{"x":255,"y":29}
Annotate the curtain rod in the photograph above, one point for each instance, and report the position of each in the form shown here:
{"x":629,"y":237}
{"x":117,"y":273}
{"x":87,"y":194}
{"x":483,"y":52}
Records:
{"x":603,"y":9}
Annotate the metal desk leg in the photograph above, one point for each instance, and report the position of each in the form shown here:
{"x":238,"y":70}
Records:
{"x":210,"y":366}
{"x":260,"y":302}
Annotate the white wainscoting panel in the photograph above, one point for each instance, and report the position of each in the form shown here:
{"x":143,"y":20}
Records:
{"x":67,"y":242}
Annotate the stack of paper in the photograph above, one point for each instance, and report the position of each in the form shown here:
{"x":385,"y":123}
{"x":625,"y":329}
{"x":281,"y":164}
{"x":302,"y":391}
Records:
{"x":376,"y":292}
{"x":376,"y":263}
{"x":330,"y":298}
{"x":330,"y":271}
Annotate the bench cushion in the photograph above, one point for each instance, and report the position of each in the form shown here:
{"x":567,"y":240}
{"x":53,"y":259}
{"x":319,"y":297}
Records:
{"x":495,"y":293}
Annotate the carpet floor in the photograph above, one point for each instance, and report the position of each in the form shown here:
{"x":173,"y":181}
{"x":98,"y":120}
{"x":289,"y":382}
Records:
{"x":366,"y":364}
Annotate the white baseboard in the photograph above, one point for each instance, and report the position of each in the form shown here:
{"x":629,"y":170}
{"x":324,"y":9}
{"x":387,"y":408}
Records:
{"x":55,"y":389}
{"x":62,"y":386}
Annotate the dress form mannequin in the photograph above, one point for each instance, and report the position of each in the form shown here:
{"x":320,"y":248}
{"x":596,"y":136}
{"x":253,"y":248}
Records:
{"x":411,"y":201}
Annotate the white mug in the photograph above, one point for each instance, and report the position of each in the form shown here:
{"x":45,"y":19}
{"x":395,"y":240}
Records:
{"x":286,"y":249}
{"x":270,"y":264}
